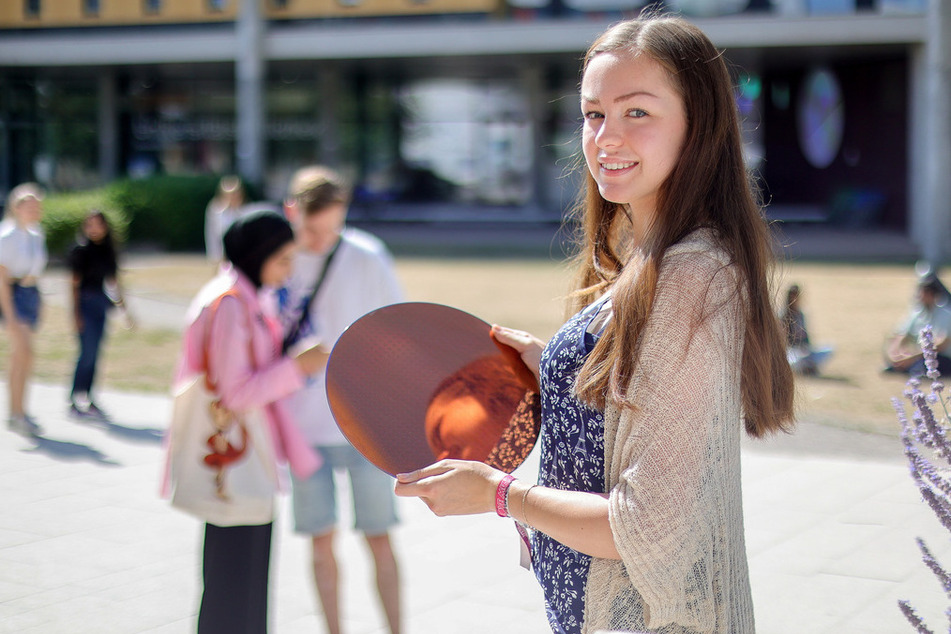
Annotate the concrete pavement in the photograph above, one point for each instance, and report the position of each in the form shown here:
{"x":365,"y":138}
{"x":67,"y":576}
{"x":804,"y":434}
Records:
{"x":86,"y":545}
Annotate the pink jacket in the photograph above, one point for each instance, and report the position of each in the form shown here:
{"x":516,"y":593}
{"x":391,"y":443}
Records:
{"x":245,"y":364}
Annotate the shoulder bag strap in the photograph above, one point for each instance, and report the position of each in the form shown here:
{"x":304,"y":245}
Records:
{"x":291,"y":337}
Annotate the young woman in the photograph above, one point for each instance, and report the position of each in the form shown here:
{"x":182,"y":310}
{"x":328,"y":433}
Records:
{"x":22,"y":260}
{"x":94,"y":265}
{"x":235,"y":338}
{"x":637,"y":515}
{"x":803,"y":358}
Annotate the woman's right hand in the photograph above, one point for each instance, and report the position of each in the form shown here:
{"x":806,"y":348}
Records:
{"x":528,"y":346}
{"x":312,"y":360}
{"x":452,"y":487}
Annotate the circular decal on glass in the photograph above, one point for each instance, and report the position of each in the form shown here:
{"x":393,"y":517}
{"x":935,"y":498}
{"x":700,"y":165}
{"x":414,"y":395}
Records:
{"x":820,"y":118}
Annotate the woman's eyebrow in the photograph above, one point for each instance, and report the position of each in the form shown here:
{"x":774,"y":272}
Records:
{"x":624,"y":97}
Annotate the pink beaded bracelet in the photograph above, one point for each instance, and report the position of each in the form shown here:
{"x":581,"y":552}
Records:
{"x":501,"y":495}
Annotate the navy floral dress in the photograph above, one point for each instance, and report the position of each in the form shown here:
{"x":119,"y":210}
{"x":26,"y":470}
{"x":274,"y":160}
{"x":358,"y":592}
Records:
{"x":572,"y":458}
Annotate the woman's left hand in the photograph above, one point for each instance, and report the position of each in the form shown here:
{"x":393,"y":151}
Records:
{"x":452,"y":487}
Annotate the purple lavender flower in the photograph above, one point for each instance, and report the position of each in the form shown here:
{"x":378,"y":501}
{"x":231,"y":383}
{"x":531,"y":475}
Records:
{"x":913,"y":617}
{"x":925,"y":438}
{"x":930,"y":353}
{"x":931,"y":562}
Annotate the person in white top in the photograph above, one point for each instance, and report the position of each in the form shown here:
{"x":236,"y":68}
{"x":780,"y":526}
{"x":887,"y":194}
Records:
{"x":903,"y":352}
{"x":340,"y":274}
{"x":221,"y":212}
{"x":22,"y":259}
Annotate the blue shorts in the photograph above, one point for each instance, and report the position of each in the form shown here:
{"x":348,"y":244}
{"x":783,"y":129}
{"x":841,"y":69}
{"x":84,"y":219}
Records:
{"x":26,"y":304}
{"x":315,"y":499}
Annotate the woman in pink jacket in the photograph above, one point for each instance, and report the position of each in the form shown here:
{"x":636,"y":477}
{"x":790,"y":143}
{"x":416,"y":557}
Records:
{"x":233,"y":334}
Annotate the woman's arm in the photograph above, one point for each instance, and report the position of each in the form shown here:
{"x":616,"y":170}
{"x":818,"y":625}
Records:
{"x":6,"y":297}
{"x":77,"y":313}
{"x":461,"y":487}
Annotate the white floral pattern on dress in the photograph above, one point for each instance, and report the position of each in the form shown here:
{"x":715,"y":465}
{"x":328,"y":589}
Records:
{"x":572,"y":458}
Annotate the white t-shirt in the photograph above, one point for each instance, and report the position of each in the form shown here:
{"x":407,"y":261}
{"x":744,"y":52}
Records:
{"x":361,"y":278}
{"x":22,"y":250}
{"x":938,"y":318}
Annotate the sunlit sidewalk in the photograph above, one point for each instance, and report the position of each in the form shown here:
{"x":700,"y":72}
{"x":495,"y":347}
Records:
{"x":86,"y":545}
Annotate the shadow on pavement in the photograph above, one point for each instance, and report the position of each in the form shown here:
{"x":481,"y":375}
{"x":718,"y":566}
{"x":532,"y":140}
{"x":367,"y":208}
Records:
{"x":71,"y":451}
{"x":133,"y":434}
{"x":121,"y":431}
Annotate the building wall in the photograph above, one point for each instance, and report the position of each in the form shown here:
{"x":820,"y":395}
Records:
{"x":302,"y":9}
{"x":74,"y":13}
{"x":505,"y":134}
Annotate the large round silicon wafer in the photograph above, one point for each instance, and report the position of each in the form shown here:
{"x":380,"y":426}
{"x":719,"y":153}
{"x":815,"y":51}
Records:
{"x":412,"y":383}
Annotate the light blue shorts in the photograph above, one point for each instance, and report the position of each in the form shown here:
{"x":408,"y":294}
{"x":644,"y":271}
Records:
{"x":315,"y":499}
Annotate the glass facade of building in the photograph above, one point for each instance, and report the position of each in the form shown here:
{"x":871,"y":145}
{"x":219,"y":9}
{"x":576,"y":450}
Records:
{"x":466,"y":132}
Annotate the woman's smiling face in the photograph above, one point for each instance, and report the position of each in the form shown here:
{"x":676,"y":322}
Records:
{"x":634,"y":129}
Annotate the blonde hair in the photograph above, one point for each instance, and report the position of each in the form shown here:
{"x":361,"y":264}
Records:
{"x":317,"y":187}
{"x":21,"y":192}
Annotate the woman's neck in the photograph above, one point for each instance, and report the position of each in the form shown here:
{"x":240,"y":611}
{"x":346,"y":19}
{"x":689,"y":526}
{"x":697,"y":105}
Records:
{"x":638,"y":223}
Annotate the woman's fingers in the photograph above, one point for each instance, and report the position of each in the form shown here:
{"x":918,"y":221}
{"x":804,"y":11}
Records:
{"x":451,"y":487}
{"x":434,"y":469}
{"x":528,"y":346}
{"x":518,"y":339}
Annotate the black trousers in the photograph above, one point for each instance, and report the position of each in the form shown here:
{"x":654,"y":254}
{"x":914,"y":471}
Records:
{"x":235,"y":564}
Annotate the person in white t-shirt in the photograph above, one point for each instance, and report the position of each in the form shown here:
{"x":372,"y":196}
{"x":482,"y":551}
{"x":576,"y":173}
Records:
{"x":22,"y":259}
{"x":221,"y":212}
{"x":902,"y":352}
{"x":353,"y":274}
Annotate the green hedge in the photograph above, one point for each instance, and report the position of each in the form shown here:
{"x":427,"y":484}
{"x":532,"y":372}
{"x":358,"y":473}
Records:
{"x":63,"y":214}
{"x":166,"y":212}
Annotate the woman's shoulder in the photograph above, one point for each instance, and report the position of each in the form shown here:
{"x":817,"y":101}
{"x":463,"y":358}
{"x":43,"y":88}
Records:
{"x":702,"y":243}
{"x":223,"y":283}
{"x":698,"y":256}
{"x":8,"y":229}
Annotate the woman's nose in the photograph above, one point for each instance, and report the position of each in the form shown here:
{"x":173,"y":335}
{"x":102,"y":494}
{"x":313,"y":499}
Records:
{"x":608,"y":134}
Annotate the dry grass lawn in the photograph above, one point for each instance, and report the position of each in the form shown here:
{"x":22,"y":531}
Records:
{"x":850,"y":307}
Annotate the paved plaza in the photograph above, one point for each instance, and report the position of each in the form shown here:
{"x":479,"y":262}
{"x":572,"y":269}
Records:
{"x":87,"y":545}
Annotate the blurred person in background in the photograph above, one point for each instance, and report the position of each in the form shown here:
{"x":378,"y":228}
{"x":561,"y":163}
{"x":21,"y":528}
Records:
{"x":222,"y":211}
{"x":96,"y":289}
{"x":902,"y":351}
{"x":803,"y":358}
{"x":234,"y":338}
{"x":340,"y":274}
{"x":23,"y":259}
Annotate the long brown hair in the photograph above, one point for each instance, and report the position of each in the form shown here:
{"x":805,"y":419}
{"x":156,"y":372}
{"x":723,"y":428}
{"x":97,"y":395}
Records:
{"x":709,"y":187}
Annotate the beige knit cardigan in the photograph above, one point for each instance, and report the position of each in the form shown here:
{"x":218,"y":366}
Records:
{"x":672,"y":462}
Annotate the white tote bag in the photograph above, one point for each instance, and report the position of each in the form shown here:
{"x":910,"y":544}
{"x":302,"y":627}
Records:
{"x":222,"y":466}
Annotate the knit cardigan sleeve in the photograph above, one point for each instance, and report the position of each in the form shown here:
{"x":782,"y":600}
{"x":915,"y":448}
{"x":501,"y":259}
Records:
{"x":672,"y":462}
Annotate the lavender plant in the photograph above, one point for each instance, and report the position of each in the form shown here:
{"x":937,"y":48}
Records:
{"x":925,"y":439}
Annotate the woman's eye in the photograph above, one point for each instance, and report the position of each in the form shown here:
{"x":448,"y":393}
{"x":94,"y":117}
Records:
{"x":593,"y":115}
{"x":637,"y":113}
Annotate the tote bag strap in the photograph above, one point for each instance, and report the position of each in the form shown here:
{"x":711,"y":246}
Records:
{"x":213,"y":308}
